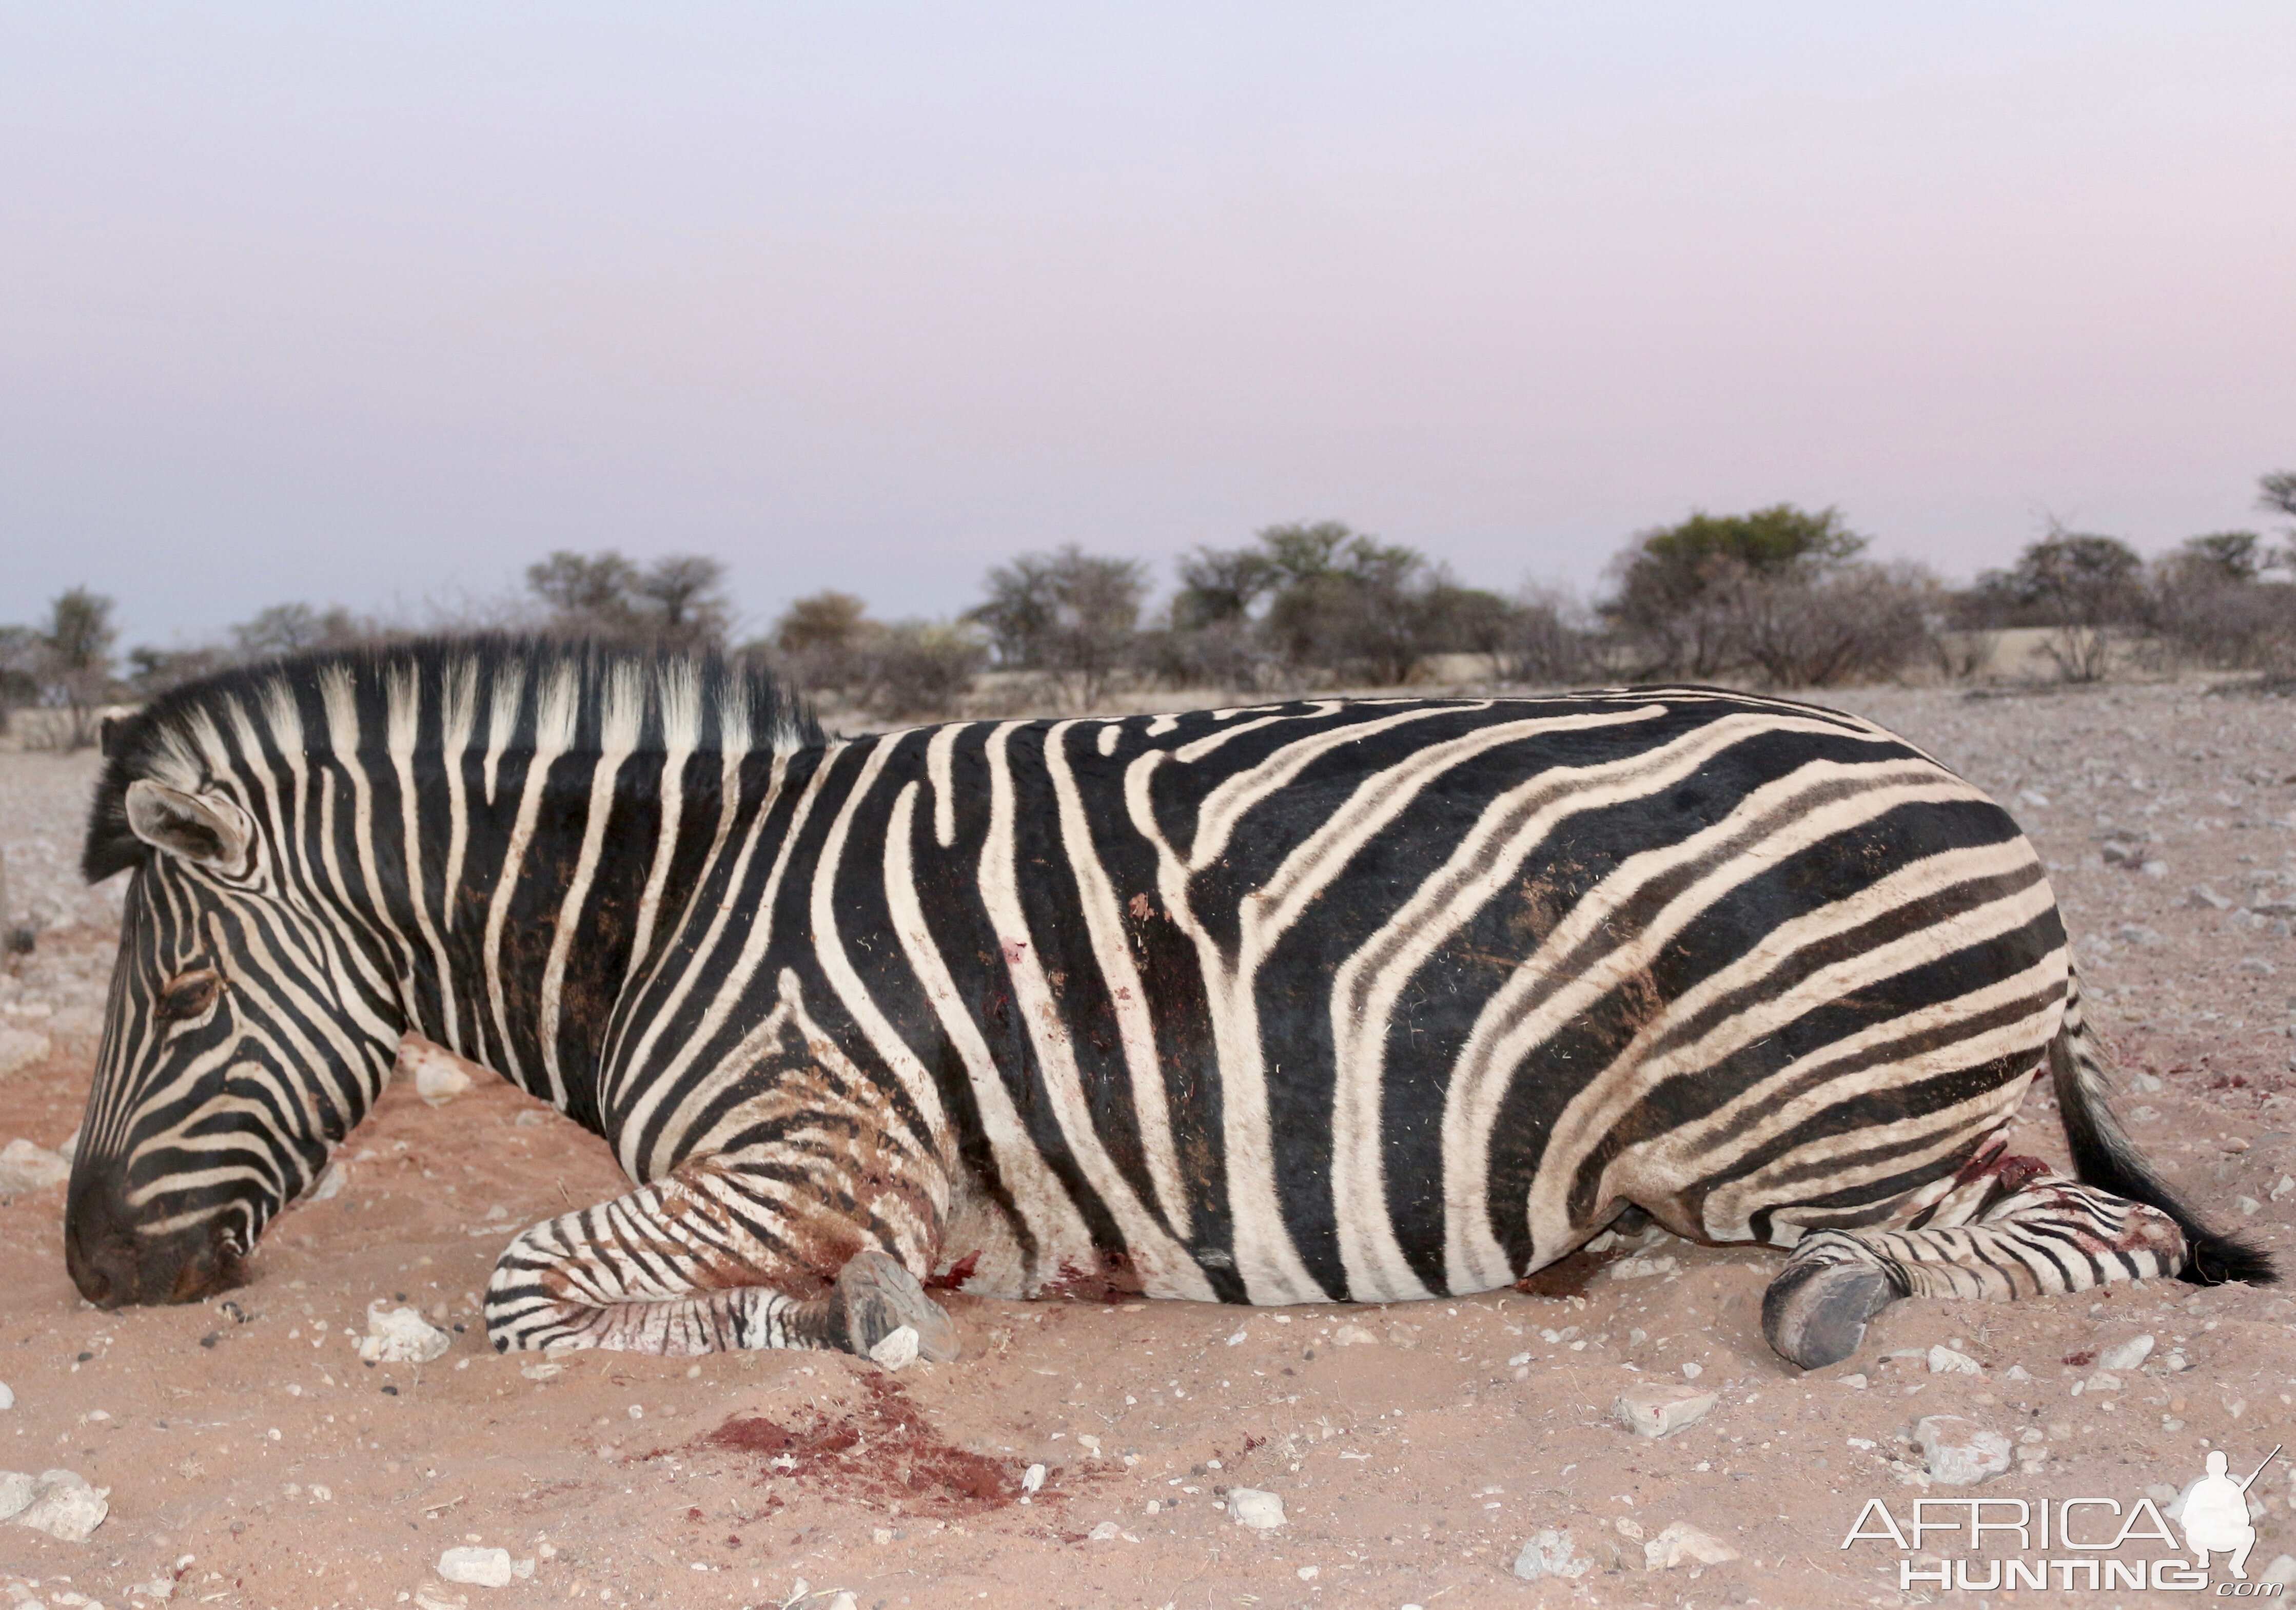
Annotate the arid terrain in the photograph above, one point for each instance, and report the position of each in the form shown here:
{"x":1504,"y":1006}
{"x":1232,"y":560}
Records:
{"x":252,"y":1460}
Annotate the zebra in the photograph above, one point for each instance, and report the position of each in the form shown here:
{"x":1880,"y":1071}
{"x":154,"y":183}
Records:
{"x":1320,"y":1000}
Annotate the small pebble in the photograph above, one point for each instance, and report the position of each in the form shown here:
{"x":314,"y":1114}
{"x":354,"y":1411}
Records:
{"x":1960,"y":1453}
{"x":1661,"y":1412}
{"x":2127,"y":1355}
{"x":1946,"y":1362}
{"x":1551,"y":1552}
{"x":1031,"y":1479}
{"x":898,"y":1349}
{"x":401,"y":1336}
{"x":1684,"y":1544}
{"x":1249,"y":1507}
{"x":480,"y":1567}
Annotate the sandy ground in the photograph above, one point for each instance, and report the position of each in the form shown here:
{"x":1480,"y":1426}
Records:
{"x":252,"y":1460}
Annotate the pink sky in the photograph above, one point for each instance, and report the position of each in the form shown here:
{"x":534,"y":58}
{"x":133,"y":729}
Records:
{"x":355,"y":304}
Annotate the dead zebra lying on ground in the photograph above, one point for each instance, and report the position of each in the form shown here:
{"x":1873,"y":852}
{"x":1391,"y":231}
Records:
{"x":1335,"y":1000}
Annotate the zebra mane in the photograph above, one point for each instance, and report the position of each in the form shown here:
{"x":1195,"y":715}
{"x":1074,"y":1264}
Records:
{"x":193,"y":734}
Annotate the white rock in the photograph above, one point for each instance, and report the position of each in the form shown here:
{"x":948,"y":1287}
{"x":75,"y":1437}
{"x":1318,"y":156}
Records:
{"x":1249,"y":1507}
{"x":2248,"y":1206}
{"x":331,"y":1183}
{"x":541,"y":1372}
{"x":1353,"y":1335}
{"x":1855,"y":1381}
{"x":1551,"y":1553}
{"x":2201,"y":898}
{"x":401,"y":1336}
{"x":160,"y":1588}
{"x":21,"y":1048}
{"x":1641,"y":1267}
{"x":1031,"y":1479}
{"x":7,"y":1396}
{"x":1945,"y":1361}
{"x":2038,"y":801}
{"x":17,"y":1491}
{"x":1661,"y":1412}
{"x":1959,"y":1453}
{"x":26,"y":1167}
{"x":828,"y":1598}
{"x":2018,"y":1372}
{"x":2130,"y":1354}
{"x":480,"y":1567}
{"x":65,"y":1507}
{"x":2281,"y":1572}
{"x":1684,"y":1544}
{"x":2144,"y":1084}
{"x":1105,"y":1533}
{"x":2104,"y":1380}
{"x":438,"y":1074}
{"x":2284,"y":1187}
{"x":898,"y":1349}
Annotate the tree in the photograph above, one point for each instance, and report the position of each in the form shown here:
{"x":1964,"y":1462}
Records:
{"x":2278,"y":492}
{"x":288,"y":628}
{"x":2210,"y":603}
{"x":821,"y":621}
{"x":1684,"y":592}
{"x":74,"y":660}
{"x":676,"y":601}
{"x":1068,"y":613}
{"x":592,"y":590}
{"x":2082,"y":587}
{"x":683,"y":599}
{"x":822,"y":641}
{"x":1322,"y":596}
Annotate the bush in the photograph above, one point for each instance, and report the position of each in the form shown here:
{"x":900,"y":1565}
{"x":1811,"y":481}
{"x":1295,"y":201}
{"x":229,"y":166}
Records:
{"x":676,"y":601}
{"x":2209,"y":605}
{"x":1069,"y":614}
{"x":914,"y":669}
{"x":2082,"y":587}
{"x":1779,"y":594}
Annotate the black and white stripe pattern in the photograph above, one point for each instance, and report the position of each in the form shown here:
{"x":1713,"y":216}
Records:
{"x":1365,"y":1000}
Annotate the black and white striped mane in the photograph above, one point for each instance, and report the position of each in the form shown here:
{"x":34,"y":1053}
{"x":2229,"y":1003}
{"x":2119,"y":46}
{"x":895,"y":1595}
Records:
{"x":193,"y":734}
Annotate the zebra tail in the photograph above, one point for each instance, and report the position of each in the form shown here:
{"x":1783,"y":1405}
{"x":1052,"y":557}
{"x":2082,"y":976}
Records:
{"x":2105,"y":1157}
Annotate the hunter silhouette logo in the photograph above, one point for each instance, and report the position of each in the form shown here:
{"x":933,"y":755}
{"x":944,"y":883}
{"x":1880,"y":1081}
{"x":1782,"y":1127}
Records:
{"x":2216,"y":1515}
{"x":1997,"y":1539}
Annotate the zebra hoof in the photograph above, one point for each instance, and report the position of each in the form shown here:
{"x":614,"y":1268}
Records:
{"x":880,"y":1296}
{"x":1816,"y":1315}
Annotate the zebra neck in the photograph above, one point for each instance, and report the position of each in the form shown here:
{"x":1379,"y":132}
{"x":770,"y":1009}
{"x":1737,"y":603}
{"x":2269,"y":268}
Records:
{"x":533,"y":919}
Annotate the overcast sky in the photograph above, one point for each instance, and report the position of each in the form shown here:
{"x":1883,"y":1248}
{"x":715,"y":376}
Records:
{"x":364,"y":303}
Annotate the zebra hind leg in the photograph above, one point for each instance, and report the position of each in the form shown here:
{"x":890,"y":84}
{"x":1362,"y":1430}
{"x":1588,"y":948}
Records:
{"x":715,"y":1258}
{"x":2045,"y":1235}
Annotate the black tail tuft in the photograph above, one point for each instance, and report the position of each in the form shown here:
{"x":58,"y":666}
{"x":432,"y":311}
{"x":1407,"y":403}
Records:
{"x":2104,"y":1157}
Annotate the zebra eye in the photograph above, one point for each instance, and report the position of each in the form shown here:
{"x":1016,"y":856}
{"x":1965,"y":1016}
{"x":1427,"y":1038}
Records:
{"x":190,"y":995}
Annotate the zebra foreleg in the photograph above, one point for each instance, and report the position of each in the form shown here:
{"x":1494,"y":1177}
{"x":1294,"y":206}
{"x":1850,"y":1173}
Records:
{"x":709,"y":1259}
{"x":2048,"y":1235}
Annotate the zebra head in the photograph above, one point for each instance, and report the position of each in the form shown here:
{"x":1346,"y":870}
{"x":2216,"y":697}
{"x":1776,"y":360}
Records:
{"x":238,"y":1049}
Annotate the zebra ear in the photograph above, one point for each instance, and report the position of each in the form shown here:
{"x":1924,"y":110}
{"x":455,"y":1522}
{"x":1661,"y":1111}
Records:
{"x":205,"y":829}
